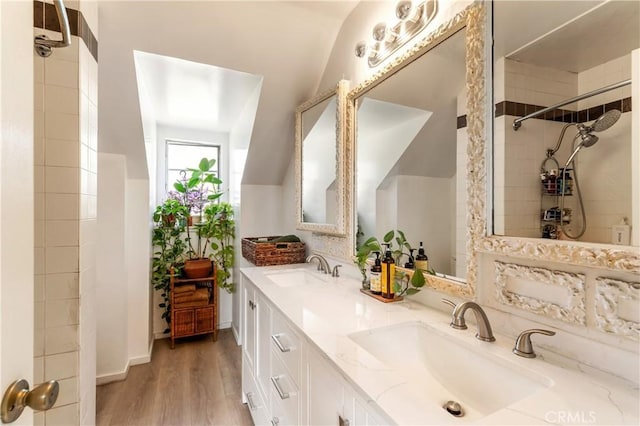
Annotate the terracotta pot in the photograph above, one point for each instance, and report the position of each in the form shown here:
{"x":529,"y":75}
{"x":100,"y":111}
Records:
{"x":197,"y":268}
{"x":169,"y":220}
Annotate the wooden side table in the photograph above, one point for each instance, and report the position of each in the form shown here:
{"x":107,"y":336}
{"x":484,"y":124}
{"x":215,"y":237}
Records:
{"x":191,"y":319}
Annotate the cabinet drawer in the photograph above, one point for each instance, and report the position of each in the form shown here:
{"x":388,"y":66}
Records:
{"x":250,"y":394}
{"x":284,"y":392}
{"x":183,"y":322}
{"x":286,"y":344}
{"x":279,"y":416}
{"x":204,"y":319}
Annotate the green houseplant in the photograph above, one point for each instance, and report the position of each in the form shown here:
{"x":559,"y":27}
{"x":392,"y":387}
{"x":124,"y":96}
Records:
{"x":372,"y":244}
{"x":173,"y":231}
{"x":170,"y":220}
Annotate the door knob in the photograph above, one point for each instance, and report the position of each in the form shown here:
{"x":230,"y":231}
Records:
{"x":17,"y":396}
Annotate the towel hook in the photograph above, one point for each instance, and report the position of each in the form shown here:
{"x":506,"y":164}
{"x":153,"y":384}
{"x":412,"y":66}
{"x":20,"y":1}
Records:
{"x":43,"y":45}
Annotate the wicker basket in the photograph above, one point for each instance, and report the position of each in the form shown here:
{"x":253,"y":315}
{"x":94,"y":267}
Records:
{"x":262,"y":252}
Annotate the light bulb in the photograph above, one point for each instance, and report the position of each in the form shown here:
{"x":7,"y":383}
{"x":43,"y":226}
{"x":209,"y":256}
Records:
{"x":379,"y":31}
{"x":402,"y":9}
{"x":361,"y":49}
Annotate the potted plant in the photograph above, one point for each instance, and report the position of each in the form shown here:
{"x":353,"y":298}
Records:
{"x":196,"y":195}
{"x":169,"y":248}
{"x":218,"y":230}
{"x":372,"y":244}
{"x":193,"y":192}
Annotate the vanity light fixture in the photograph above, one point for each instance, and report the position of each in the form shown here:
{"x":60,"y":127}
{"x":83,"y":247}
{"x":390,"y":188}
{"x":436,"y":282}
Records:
{"x":403,"y":8}
{"x":389,"y":38}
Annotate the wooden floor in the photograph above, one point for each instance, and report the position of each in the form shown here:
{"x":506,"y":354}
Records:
{"x":197,"y":383}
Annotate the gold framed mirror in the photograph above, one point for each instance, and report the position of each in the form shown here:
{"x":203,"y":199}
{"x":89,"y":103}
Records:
{"x":441,"y":112}
{"x":319,"y":150}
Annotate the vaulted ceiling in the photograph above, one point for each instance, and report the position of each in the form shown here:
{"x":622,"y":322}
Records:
{"x":287,"y":43}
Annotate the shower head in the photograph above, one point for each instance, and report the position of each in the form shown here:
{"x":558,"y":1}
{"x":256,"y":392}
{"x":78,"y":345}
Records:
{"x":602,"y":123}
{"x":587,"y":138}
{"x":606,"y":120}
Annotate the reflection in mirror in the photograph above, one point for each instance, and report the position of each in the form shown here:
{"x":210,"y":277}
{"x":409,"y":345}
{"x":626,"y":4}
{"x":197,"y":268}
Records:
{"x":320,"y":162}
{"x":411,"y":156}
{"x":571,"y":172}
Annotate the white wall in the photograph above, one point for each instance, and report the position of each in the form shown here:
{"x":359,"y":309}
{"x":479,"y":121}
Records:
{"x":137,"y":267}
{"x":112,"y":278}
{"x":420,"y":207}
{"x":123,"y":286}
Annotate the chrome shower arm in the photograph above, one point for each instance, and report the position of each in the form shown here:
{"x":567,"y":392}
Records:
{"x":43,"y":44}
{"x":517,"y":123}
{"x":551,"y":152}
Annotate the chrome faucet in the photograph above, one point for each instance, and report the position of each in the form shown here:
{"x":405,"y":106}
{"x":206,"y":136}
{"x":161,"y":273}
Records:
{"x":457,"y":319}
{"x":335,"y":272}
{"x":523,"y":345}
{"x":323,"y":265}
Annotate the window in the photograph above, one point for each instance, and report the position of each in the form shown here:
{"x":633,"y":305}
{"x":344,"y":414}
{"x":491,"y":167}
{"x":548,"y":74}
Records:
{"x":183,"y":155}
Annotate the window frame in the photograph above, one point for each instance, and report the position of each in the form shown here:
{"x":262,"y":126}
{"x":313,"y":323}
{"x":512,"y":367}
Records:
{"x":174,"y":141}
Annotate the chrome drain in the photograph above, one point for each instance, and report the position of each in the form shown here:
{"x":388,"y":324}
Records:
{"x":453,"y":408}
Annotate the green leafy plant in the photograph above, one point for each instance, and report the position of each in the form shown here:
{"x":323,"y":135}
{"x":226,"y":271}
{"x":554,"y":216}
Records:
{"x":219,"y":231}
{"x":414,"y":281}
{"x":170,"y":220}
{"x":193,"y":192}
{"x":172,"y":231}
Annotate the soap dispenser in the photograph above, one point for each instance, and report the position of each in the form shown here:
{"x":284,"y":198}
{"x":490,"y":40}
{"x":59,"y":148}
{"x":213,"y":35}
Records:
{"x":422,"y":261}
{"x":388,"y":273}
{"x":376,"y":271}
{"x":410,"y":264}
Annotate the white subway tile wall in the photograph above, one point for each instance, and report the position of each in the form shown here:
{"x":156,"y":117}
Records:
{"x":65,"y":174}
{"x":604,"y":173}
{"x":603,"y":75}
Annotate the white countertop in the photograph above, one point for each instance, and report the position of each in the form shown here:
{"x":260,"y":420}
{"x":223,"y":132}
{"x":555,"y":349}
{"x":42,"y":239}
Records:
{"x":326,"y":314}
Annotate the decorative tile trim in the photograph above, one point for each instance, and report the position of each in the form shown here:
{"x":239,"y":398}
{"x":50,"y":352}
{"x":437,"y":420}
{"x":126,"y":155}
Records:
{"x":591,"y":256}
{"x":461,"y":122}
{"x":609,"y":291}
{"x":518,"y":109}
{"x":45,"y":17}
{"x":573,"y":312}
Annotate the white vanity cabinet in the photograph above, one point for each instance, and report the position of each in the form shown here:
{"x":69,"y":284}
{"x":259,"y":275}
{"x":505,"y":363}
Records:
{"x":333,"y":401}
{"x":285,"y":379}
{"x":270,"y":362}
{"x":255,"y":359}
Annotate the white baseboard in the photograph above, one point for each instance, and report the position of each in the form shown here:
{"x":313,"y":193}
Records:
{"x":160,"y":335}
{"x":236,"y":335}
{"x":103,"y":379}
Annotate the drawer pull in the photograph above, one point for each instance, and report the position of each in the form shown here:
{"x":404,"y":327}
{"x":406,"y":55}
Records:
{"x":276,"y":339}
{"x":276,"y":383}
{"x":252,"y":405}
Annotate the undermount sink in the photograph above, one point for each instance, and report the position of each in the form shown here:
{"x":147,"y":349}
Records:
{"x":296,"y":277}
{"x":448,"y":370}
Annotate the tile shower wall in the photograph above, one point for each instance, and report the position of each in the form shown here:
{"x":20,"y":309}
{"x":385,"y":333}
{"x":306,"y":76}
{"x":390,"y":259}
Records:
{"x":605,"y":168}
{"x":606,"y":174}
{"x":65,"y":200}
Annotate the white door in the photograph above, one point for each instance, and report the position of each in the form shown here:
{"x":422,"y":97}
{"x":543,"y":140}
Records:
{"x":16,"y":195}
